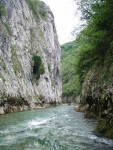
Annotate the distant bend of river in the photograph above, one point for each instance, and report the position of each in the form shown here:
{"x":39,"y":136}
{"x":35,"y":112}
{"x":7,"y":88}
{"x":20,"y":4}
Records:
{"x":58,"y":128}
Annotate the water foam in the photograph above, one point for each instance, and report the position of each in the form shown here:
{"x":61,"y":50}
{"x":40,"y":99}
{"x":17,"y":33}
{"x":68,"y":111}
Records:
{"x":37,"y":123}
{"x":5,"y":132}
{"x":102,"y":140}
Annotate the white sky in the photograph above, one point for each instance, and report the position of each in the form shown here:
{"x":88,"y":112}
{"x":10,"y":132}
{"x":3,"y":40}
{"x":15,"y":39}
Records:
{"x":66,"y":18}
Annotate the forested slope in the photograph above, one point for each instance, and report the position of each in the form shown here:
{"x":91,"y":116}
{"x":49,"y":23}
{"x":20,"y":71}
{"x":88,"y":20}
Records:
{"x":69,"y":78}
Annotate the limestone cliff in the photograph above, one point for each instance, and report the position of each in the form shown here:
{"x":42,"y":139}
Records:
{"x":24,"y":33}
{"x":97,"y":96}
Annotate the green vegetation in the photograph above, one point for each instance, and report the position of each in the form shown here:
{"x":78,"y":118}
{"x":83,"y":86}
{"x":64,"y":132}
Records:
{"x":2,"y":9}
{"x":92,"y":48}
{"x":2,"y":78}
{"x":41,"y":97}
{"x":105,"y":128}
{"x":38,"y":8}
{"x":90,"y":57}
{"x":16,"y":63}
{"x":49,"y":67}
{"x":96,"y":39}
{"x":71,"y":85}
{"x":38,"y":67}
{"x":7,"y":29}
{"x":2,"y":64}
{"x":16,"y":101}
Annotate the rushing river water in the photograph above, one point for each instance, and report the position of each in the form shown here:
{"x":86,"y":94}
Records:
{"x":58,"y":128}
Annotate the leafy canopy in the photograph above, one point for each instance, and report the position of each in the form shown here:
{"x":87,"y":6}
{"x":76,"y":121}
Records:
{"x":94,"y":46}
{"x":96,"y":40}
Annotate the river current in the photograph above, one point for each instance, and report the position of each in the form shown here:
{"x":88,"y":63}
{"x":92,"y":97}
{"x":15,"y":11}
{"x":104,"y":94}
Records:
{"x":58,"y":128}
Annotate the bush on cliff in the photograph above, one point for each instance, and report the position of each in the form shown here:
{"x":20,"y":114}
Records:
{"x":37,"y":8}
{"x":38,"y":67}
{"x":2,"y":9}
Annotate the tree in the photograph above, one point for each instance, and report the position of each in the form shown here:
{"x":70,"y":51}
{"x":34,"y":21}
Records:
{"x":96,"y":40}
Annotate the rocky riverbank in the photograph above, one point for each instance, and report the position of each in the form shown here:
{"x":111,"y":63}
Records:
{"x":104,"y":118}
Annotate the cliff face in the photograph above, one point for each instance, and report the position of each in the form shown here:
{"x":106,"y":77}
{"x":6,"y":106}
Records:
{"x":23,"y":35}
{"x":97,"y":93}
{"x":98,"y":89}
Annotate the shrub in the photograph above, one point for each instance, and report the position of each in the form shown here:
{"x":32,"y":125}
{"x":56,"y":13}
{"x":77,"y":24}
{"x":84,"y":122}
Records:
{"x":2,"y":9}
{"x":16,"y":63}
{"x":41,"y":97}
{"x":38,"y":67}
{"x":7,"y":29}
{"x":37,"y":8}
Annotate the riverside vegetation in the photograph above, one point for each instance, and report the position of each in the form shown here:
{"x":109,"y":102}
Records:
{"x":90,"y":59}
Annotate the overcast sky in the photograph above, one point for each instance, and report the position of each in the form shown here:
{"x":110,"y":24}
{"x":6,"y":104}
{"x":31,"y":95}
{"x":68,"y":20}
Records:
{"x":66,"y":18}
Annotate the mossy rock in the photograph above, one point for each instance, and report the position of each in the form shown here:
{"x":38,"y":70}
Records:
{"x":105,"y":128}
{"x":109,"y":133}
{"x":90,"y":115}
{"x":102,"y":126}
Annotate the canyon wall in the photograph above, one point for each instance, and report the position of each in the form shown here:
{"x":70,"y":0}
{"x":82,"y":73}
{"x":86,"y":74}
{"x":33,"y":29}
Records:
{"x":27,"y":31}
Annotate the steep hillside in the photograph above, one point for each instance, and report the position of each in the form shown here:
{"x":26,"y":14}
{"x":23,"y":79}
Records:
{"x":95,"y":63}
{"x":71,"y":86}
{"x":29,"y":56}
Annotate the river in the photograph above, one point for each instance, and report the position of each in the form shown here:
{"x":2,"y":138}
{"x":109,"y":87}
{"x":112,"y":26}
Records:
{"x":58,"y":128}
